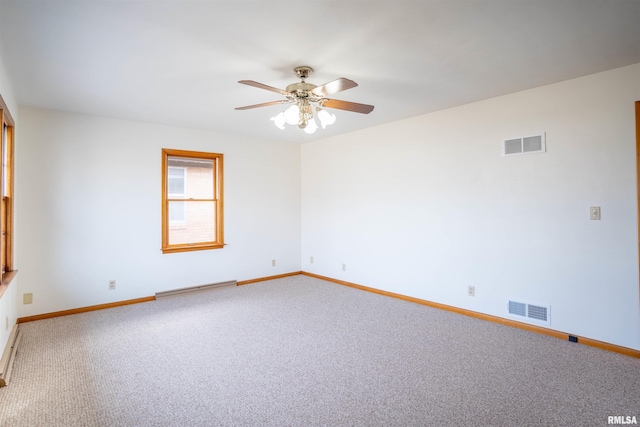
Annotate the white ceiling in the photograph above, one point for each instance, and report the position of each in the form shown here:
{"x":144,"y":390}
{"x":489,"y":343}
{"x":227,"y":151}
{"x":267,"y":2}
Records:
{"x":178,"y":62}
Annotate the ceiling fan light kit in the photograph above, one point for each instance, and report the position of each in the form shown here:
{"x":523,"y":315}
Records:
{"x":306,"y":97}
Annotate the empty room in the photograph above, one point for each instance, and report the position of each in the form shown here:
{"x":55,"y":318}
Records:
{"x":320,"y":213}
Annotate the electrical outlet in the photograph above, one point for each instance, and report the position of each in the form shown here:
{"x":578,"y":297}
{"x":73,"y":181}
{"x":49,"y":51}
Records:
{"x":27,"y":298}
{"x":112,"y":285}
{"x":311,"y":260}
{"x":273,"y":263}
{"x":594,"y":213}
{"x":471,"y":291}
{"x":344,"y":267}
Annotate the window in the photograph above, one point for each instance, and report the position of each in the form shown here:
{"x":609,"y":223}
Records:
{"x":6,"y":190}
{"x":192,"y":203}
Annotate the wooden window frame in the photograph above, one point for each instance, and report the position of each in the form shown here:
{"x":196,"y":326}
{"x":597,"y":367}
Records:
{"x":218,"y":175}
{"x":7,"y":272}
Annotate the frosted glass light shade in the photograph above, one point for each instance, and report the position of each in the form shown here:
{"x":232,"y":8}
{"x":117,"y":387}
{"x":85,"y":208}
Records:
{"x":279,"y":120}
{"x":311,"y":126}
{"x":326,"y":118}
{"x":292,"y":115}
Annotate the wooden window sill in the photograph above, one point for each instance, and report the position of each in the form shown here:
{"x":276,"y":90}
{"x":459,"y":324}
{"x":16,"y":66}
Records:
{"x":192,"y":248}
{"x":6,"y":280}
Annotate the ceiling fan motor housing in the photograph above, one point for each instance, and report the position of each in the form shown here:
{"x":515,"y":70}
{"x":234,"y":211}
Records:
{"x":301,"y":89}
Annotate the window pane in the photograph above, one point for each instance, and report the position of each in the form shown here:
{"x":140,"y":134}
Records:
{"x":200,"y":182}
{"x":197,"y":179}
{"x":176,"y":212}
{"x":199,"y":224}
{"x":176,"y":182}
{"x":5,"y":162}
{"x":3,"y":211}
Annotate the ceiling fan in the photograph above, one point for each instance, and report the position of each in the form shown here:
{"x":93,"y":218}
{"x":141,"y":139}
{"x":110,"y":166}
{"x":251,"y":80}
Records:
{"x":304,"y":96}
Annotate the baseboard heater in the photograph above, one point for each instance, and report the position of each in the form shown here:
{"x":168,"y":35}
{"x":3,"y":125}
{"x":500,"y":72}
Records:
{"x":196,"y":288}
{"x":9,"y":354}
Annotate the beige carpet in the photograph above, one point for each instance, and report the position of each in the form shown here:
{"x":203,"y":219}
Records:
{"x":303,"y":352}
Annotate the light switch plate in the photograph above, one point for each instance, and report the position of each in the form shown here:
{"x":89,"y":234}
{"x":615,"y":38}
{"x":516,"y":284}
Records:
{"x":594,"y":213}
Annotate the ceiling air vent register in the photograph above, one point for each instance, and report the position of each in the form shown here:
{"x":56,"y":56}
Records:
{"x":524,"y":145}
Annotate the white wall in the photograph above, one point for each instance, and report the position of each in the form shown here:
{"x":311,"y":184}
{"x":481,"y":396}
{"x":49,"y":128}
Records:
{"x":7,"y":92}
{"x":427,"y":206}
{"x":89,"y":209}
{"x":6,"y":89}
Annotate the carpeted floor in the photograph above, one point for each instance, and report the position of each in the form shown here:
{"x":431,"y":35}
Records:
{"x":303,"y":352}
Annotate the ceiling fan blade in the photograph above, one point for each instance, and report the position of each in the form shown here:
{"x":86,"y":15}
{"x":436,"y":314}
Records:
{"x":348,"y":106}
{"x":335,"y":86}
{"x":263,"y":86}
{"x":264,"y":104}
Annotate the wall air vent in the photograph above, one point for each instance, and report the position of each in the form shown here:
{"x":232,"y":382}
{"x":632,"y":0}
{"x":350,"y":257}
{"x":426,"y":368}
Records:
{"x":535,"y":312}
{"x":524,"y":145}
{"x":518,"y":308}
